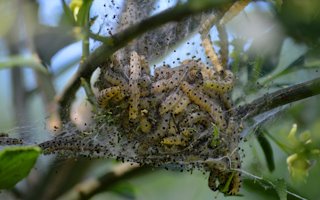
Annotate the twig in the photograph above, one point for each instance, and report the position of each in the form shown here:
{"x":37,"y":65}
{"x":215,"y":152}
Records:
{"x":89,"y":188}
{"x":279,"y":98}
{"x":119,"y":40}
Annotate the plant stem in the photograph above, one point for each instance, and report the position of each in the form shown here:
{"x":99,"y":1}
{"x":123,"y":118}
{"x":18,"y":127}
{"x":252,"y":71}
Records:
{"x":279,"y":98}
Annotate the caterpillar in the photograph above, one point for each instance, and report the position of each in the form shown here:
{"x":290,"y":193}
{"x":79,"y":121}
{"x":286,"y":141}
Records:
{"x":113,"y":78}
{"x":145,"y":125}
{"x":170,"y":102}
{"x":221,"y":84}
{"x":144,"y":84}
{"x":207,"y":72}
{"x":207,"y":24}
{"x":120,"y":96}
{"x":196,"y":117}
{"x":145,"y":69}
{"x":144,"y":81}
{"x":166,"y":84}
{"x":159,"y":86}
{"x":177,"y":140}
{"x":135,"y":74}
{"x":105,"y":95}
{"x":211,"y":53}
{"x":234,"y":10}
{"x":205,"y":103}
{"x":163,"y":125}
{"x":181,"y":104}
{"x":163,"y":72}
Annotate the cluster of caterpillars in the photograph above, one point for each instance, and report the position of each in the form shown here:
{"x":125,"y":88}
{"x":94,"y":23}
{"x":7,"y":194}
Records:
{"x":180,"y":115}
{"x":174,"y":112}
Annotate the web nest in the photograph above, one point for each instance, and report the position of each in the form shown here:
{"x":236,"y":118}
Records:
{"x":179,"y":117}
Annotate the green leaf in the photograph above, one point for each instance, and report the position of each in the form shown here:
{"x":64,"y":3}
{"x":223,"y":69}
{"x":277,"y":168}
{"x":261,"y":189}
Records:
{"x":268,"y":187}
{"x":16,"y":163}
{"x":281,"y":187}
{"x":290,"y":52}
{"x":68,"y":13}
{"x":261,"y":188}
{"x":266,"y":148}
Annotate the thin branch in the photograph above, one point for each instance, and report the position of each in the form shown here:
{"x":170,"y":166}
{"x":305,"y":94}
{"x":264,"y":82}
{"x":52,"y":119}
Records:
{"x":119,"y":40}
{"x":88,"y":188}
{"x":279,"y":98}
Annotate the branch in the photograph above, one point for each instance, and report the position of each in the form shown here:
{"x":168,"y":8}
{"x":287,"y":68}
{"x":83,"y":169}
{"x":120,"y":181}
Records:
{"x":88,"y":188}
{"x":279,"y":98}
{"x":119,"y":40}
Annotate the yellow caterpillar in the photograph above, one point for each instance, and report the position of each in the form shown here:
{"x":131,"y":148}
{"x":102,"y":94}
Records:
{"x":145,"y":69}
{"x":105,"y":95}
{"x":114,"y":78}
{"x":207,"y":24}
{"x":196,"y":117}
{"x":177,"y":140}
{"x":159,"y":86}
{"x":205,"y":103}
{"x":210,"y":52}
{"x":234,"y":10}
{"x":222,"y":84}
{"x":181,"y":105}
{"x":163,"y":125}
{"x":170,"y":102}
{"x":145,"y":125}
{"x":162,"y":72}
{"x":166,"y":84}
{"x":135,"y":74}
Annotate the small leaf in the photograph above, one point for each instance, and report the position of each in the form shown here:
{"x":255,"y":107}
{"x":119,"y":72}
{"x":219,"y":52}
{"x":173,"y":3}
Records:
{"x":68,"y":12}
{"x":281,"y":187}
{"x":290,"y":52}
{"x":15,"y":164}
{"x":267,"y":149}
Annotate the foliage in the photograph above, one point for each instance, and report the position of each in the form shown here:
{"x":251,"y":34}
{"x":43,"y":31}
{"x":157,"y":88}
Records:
{"x":16,"y":163}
